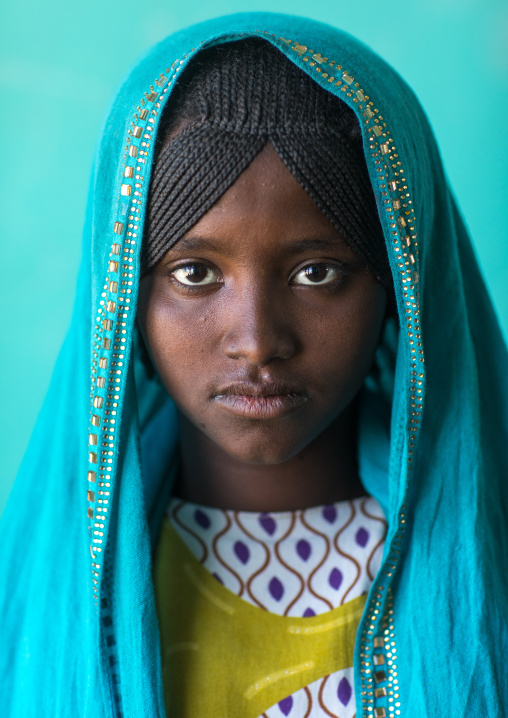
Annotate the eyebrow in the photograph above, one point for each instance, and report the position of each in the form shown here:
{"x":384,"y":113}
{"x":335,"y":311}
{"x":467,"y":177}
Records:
{"x":317,"y":245}
{"x":190,"y":244}
{"x":194,"y":243}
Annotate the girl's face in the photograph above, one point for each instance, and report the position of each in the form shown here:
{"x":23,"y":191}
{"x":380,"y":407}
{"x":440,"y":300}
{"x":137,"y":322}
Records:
{"x":261,"y":322}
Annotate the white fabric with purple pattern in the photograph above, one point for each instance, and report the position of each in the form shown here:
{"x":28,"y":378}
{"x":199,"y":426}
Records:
{"x":292,"y":563}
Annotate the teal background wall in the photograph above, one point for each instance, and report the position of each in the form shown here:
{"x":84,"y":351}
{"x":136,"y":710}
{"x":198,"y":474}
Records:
{"x":59,"y":63}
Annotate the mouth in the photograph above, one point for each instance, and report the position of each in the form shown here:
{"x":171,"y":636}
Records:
{"x":263,"y":400}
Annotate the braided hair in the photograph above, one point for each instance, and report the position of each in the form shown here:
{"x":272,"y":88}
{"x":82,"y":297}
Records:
{"x":231,"y":101}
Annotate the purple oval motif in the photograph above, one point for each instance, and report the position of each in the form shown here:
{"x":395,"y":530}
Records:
{"x":241,"y":551}
{"x":335,"y":579}
{"x":303,"y":549}
{"x":267,"y":523}
{"x":201,"y":518}
{"x":219,"y":579}
{"x":308,"y":613}
{"x":362,"y":537}
{"x":285,"y":705}
{"x":344,"y":691}
{"x":276,"y":588}
{"x":329,"y":514}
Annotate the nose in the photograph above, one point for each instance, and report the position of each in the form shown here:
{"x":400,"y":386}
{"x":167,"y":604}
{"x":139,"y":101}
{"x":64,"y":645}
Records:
{"x":259,"y":330}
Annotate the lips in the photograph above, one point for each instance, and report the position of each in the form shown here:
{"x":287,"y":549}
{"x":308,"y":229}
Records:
{"x":260,"y":400}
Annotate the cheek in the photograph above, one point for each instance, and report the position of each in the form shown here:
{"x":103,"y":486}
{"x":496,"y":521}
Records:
{"x":348,"y":338}
{"x":181,"y":342}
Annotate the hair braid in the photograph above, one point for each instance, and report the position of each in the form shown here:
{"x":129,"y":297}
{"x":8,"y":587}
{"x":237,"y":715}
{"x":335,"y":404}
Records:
{"x":226,"y":106}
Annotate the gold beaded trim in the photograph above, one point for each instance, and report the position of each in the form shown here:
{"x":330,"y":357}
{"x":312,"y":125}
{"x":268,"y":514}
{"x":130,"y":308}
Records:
{"x":378,"y":650}
{"x":110,"y":347}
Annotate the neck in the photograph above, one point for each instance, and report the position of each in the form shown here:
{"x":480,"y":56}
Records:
{"x":323,"y":473}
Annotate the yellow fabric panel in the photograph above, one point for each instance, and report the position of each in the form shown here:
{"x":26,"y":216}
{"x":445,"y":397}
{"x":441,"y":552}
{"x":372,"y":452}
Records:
{"x":223,"y":657}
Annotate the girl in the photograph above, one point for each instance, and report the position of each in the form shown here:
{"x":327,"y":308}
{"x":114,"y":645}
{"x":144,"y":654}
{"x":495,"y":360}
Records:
{"x":271,"y":243}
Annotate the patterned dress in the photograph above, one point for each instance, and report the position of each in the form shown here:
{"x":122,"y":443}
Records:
{"x":308,"y":564}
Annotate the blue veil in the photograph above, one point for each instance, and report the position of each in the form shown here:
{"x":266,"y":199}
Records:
{"x":79,"y":631}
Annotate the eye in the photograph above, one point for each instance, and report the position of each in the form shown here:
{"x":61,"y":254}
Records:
{"x":317,"y":274}
{"x":195,"y":274}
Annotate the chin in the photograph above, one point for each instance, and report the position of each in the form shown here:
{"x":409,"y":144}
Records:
{"x":258,"y":452}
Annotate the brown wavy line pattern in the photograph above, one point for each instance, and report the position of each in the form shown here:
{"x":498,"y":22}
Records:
{"x":363,"y":504}
{"x":309,"y":698}
{"x":277,"y":553}
{"x":177,"y":520}
{"x":353,"y":560}
{"x":311,"y":575}
{"x":380,"y":542}
{"x":218,"y":556}
{"x":260,"y":570}
{"x":321,"y":702}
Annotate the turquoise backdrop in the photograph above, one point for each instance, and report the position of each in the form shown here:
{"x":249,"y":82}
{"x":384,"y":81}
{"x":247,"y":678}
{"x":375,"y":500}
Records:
{"x":454,"y":53}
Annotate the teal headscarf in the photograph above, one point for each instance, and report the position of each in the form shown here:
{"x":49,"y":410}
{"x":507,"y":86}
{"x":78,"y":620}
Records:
{"x":79,"y":634}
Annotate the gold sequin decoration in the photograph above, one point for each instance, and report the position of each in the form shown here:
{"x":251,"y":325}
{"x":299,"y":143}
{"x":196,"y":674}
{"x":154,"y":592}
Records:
{"x":115,"y":299}
{"x":380,"y":676}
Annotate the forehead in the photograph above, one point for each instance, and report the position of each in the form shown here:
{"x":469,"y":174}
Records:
{"x":265,"y":209}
